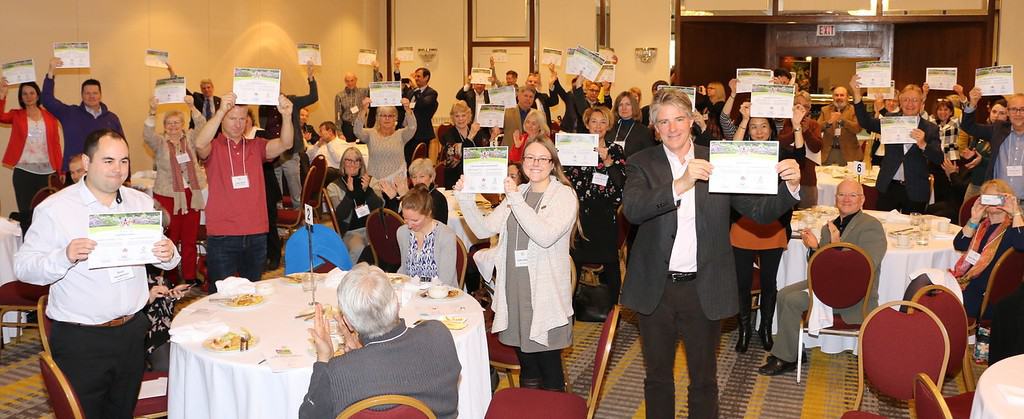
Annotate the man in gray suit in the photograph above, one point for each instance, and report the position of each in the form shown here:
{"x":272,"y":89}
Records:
{"x":678,"y":284}
{"x":852,"y":226}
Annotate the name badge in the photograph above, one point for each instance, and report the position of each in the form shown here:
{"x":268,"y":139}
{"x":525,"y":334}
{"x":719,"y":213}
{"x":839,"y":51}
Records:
{"x":522,"y":258}
{"x":240,"y":182}
{"x":972,"y":257}
{"x":183,"y":158}
{"x":600,"y":179}
{"x":412,"y":104}
{"x":121,"y":274}
{"x":362,"y":211}
{"x":839,"y":131}
{"x":1014,"y":171}
{"x":354,"y":109}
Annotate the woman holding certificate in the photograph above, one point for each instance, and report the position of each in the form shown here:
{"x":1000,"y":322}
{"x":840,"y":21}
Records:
{"x":535,"y":224}
{"x":764,"y":242}
{"x":599,"y":189}
{"x":629,"y":133}
{"x":386,"y":143}
{"x":180,"y":180}
{"x":34,"y":149}
{"x":804,"y":128}
{"x":466,"y":133}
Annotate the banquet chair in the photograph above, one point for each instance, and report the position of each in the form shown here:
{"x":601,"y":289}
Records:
{"x":439,"y":173}
{"x":55,"y":181}
{"x":326,"y":199}
{"x":870,"y":197}
{"x":1004,"y":280}
{"x":41,"y":196}
{"x":941,"y":301}
{"x":382,"y":231}
{"x":64,"y":401}
{"x":840,"y":275}
{"x":536,"y":403}
{"x":420,"y":152}
{"x":20,"y":297}
{"x":965,"y":210}
{"x":312,"y":195}
{"x":44,"y":323}
{"x":502,"y":357}
{"x":404,"y":407}
{"x":928,"y":402}
{"x":443,"y":129}
{"x":895,"y":347}
{"x":461,"y":261}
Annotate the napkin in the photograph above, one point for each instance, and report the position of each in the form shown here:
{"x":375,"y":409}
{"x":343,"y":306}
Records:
{"x":283,"y":363}
{"x":819,"y":318}
{"x":153,"y":388}
{"x":233,"y":285}
{"x":943,"y":236}
{"x":10,"y":227}
{"x":895,"y":216}
{"x":1013,"y":394}
{"x":198,"y":331}
{"x":334,"y":277}
{"x":940,"y":277}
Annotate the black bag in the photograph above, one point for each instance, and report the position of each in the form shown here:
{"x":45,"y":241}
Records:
{"x":590,"y":301}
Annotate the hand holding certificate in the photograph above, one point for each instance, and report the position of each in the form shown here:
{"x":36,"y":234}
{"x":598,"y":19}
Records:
{"x":72,"y":54}
{"x":505,"y":96}
{"x":124,"y":239}
{"x":257,"y":86}
{"x":747,"y":167}
{"x":772,"y":101}
{"x":577,"y":149}
{"x":170,"y":90}
{"x":994,"y":81}
{"x":940,"y":78}
{"x":491,"y":115}
{"x":309,"y":52}
{"x":385,"y":93}
{"x":484,"y":169}
{"x":18,"y":72}
{"x":896,"y":129}
{"x":874,"y":73}
{"x":746,"y":78}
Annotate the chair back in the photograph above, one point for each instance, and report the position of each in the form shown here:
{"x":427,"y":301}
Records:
{"x":55,"y":181}
{"x":941,"y":301}
{"x":1005,"y":278}
{"x":443,"y":129}
{"x":623,"y":229}
{"x":41,"y":196}
{"x":311,"y":189}
{"x":894,"y":347}
{"x":928,"y":400}
{"x":870,"y":197}
{"x":63,"y":400}
{"x":382,"y":229}
{"x":421,"y":151}
{"x":601,"y":357}
{"x":965,"y":210}
{"x":439,"y":179}
{"x":404,"y":407}
{"x":840,"y":275}
{"x":461,"y":261}
{"x":44,"y":323}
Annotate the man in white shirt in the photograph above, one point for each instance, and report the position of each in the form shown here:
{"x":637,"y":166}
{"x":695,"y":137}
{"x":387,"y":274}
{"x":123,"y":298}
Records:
{"x":331,"y":148}
{"x":98,"y":335}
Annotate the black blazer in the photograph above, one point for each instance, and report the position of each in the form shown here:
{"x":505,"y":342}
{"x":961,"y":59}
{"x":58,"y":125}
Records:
{"x":200,"y":102}
{"x":914,"y":161}
{"x":470,"y":99}
{"x":647,"y":201}
{"x":426,"y":107}
{"x":547,"y":101}
{"x":575,"y":105}
{"x":995,"y":134}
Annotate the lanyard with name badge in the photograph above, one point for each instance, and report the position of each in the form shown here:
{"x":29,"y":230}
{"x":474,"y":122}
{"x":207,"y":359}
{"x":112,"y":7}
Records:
{"x":523,"y":256}
{"x":238,"y":182}
{"x":973,"y":257}
{"x":1017,"y":169}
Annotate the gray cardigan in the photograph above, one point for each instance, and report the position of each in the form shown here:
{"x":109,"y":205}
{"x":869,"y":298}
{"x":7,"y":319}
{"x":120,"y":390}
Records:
{"x":444,"y":253}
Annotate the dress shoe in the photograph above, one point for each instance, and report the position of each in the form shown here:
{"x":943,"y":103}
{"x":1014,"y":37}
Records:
{"x":776,"y":366}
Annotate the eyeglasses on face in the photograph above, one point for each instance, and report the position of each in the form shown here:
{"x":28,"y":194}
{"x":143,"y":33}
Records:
{"x":536,"y":159}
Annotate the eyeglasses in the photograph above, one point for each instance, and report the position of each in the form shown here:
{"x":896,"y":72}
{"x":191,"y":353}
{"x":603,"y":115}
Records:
{"x":353,"y":161}
{"x":1015,"y":110}
{"x":535,"y":159}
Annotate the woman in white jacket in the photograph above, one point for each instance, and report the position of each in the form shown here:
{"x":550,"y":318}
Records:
{"x":532,"y":290}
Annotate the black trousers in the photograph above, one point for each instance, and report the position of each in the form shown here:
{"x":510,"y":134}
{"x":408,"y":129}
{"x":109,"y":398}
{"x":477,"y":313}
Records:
{"x":26,"y":185}
{"x":769,"y":265}
{"x":104,"y":365}
{"x":679,"y":313}
{"x":896,"y":198}
{"x":545,"y":365}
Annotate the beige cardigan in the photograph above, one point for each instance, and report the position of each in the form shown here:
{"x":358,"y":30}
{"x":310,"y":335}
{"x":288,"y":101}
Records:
{"x":550,"y":230}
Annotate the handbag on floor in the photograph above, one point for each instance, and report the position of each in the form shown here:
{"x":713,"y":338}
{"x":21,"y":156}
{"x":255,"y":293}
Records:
{"x":590,"y":302}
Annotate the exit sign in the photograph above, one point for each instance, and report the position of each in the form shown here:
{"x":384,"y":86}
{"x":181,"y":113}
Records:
{"x":826,"y":30}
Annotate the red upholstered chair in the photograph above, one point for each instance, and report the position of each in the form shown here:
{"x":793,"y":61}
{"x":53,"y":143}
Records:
{"x":41,"y":196}
{"x":421,"y":152}
{"x":21,"y":297}
{"x":870,"y":197}
{"x":840,"y":275}
{"x":152,"y":407}
{"x":44,"y":323}
{"x":965,"y":209}
{"x":381,"y":229}
{"x":312,"y":194}
{"x":404,"y":407}
{"x":928,"y":402}
{"x":55,"y":181}
{"x":1004,"y":280}
{"x":895,"y":347}
{"x":461,"y":261}
{"x":941,"y":301}
{"x":502,"y":357}
{"x":63,"y":401}
{"x":439,"y":172}
{"x":442,"y":130}
{"x":534,"y":403}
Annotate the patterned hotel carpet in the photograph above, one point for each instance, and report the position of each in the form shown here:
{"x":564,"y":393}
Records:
{"x":827,"y":390}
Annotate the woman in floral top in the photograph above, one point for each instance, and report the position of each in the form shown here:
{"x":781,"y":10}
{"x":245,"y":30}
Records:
{"x":599,"y":189}
{"x":427,"y":245}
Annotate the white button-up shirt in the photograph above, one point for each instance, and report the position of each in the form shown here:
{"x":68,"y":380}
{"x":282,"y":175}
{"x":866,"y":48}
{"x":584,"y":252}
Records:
{"x":79,"y":294}
{"x":332,"y":151}
{"x":684,"y":248}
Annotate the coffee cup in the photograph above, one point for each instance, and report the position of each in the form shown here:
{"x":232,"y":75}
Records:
{"x":903,"y":240}
{"x":437,"y":291}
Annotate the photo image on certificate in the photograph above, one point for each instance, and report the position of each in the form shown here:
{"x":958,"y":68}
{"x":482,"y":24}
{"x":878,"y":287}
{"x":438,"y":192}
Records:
{"x":478,"y":75}
{"x":385,"y":93}
{"x":124,"y":238}
{"x":744,"y":167}
{"x":772,"y":101}
{"x":874,"y":73}
{"x":309,"y":52}
{"x":170,"y":90}
{"x":577,"y":149}
{"x":257,"y":86}
{"x":490,"y":115}
{"x":18,"y":72}
{"x":484,"y":169}
{"x":551,"y":56}
{"x":896,"y":129}
{"x":940,"y":78}
{"x":72,"y":54}
{"x":505,"y":95}
{"x":157,"y":59}
{"x":747,"y":77}
{"x":994,"y":81}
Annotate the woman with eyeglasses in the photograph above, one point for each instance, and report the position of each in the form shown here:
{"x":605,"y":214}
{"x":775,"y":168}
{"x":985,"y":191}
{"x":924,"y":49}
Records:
{"x":357,"y":200}
{"x":535,"y":225}
{"x":385,"y":142}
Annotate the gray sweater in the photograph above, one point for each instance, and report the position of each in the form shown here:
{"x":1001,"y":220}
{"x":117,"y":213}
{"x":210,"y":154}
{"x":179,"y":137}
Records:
{"x":419,"y":362}
{"x":444,"y":253}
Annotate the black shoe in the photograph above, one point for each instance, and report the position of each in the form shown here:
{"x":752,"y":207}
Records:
{"x":529,"y":382}
{"x":765,"y":334}
{"x":764,"y":329}
{"x":776,"y":366}
{"x":745,"y":330}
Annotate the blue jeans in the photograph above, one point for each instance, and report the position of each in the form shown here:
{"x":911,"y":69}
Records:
{"x":231,"y":255}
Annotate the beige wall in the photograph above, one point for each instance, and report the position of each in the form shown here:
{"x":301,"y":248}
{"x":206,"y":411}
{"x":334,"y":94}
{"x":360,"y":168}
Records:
{"x":1011,"y":51}
{"x":635,"y":24}
{"x":437,"y":24}
{"x":206,"y":39}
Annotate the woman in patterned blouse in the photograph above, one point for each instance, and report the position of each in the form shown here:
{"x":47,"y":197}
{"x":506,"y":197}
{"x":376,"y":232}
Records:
{"x":427,"y":245}
{"x":599,"y":189}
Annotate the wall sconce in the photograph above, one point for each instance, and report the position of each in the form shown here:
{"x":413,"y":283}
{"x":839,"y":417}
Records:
{"x":427,"y":54}
{"x":646,"y":55}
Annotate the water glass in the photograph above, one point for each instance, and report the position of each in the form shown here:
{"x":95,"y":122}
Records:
{"x":915,"y":218}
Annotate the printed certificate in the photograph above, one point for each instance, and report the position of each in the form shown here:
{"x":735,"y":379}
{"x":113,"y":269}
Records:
{"x":576,"y":149}
{"x":257,"y":86}
{"x":124,"y":238}
{"x":366,"y":56}
{"x":994,"y":81}
{"x":747,"y":77}
{"x":479,"y":75}
{"x":505,"y":95}
{"x":874,"y":73}
{"x":940,"y":78}
{"x":484,"y":169}
{"x":73,"y":54}
{"x":573,"y":64}
{"x":17,"y":72}
{"x":499,"y":55}
{"x":385,"y":93}
{"x":491,"y":115}
{"x":405,"y":54}
{"x":157,"y":59}
{"x":589,"y":63}
{"x":744,"y":167}
{"x":896,"y":129}
{"x":309,"y":52}
{"x":551,"y":56}
{"x":170,"y":90}
{"x":883,"y":92}
{"x":607,"y":74}
{"x":772,"y":101}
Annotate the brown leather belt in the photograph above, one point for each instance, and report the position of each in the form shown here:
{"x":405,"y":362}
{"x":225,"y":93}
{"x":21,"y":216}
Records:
{"x":113,"y":323}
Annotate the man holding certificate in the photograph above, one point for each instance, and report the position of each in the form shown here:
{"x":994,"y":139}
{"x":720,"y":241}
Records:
{"x":909,"y":146}
{"x":77,"y":121}
{"x":98,"y":333}
{"x":677,"y":283}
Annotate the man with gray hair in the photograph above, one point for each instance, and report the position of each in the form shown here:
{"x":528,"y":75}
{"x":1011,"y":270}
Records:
{"x":346,"y":102}
{"x":380,"y":354}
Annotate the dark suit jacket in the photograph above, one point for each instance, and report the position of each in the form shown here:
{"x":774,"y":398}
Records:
{"x":994,"y":133}
{"x":648,"y":201}
{"x":200,"y":102}
{"x":426,"y":107}
{"x":575,"y":105}
{"x":547,"y":100}
{"x":470,"y":98}
{"x":637,"y":138}
{"x":914,"y":161}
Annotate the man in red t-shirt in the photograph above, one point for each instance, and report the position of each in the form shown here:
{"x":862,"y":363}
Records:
{"x":236,"y":211}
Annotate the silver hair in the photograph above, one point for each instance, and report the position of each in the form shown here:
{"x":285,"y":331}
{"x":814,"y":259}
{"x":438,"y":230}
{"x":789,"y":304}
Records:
{"x":368,"y":302}
{"x":422,"y":166}
{"x":670,"y":97}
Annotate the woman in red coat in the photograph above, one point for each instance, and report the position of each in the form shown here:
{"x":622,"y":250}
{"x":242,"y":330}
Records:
{"x":34,"y":150}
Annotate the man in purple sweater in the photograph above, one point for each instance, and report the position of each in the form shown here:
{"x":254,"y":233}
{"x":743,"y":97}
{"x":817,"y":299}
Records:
{"x":78,"y":120}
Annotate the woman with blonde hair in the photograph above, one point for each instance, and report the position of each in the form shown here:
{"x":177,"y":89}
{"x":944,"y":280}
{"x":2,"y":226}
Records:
{"x":532,"y":290}
{"x":464,"y":133}
{"x":386,"y":142}
{"x":534,"y":126}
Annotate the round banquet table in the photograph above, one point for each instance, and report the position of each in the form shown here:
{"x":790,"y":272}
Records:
{"x":458,"y":223}
{"x":10,"y":241}
{"x":829,"y":178}
{"x":1000,"y":391}
{"x":206,"y":384}
{"x":894,"y":276}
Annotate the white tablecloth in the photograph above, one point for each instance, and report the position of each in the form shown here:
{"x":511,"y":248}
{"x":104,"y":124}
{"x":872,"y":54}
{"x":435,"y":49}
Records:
{"x":1000,"y":391}
{"x":10,"y":241}
{"x":145,"y":180}
{"x":829,"y":178}
{"x":893,"y":278}
{"x":204,"y":384}
{"x":458,"y":223}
